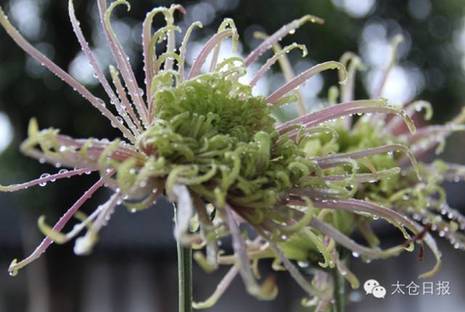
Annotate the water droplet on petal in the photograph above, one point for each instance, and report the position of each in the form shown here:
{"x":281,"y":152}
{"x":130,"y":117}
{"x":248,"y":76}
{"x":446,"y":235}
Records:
{"x":303,"y":264}
{"x":44,"y":176}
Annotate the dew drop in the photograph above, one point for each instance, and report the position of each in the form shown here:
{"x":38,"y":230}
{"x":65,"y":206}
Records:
{"x":44,"y":176}
{"x":100,"y":102}
{"x":303,"y":264}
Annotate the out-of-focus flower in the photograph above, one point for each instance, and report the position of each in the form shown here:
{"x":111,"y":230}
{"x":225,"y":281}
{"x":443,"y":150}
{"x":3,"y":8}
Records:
{"x":214,"y":149}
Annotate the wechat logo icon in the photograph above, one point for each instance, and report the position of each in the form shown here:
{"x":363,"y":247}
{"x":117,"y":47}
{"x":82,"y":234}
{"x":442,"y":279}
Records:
{"x":372,"y":287}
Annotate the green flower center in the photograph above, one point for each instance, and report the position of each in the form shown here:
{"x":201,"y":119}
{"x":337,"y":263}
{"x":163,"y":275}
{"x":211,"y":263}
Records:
{"x":216,"y":137}
{"x":212,"y":105}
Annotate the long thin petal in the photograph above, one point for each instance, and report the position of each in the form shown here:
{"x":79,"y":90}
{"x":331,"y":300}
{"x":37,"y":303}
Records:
{"x":278,"y":35}
{"x":96,"y":67}
{"x":342,"y":239}
{"x":67,"y":78}
{"x":294,"y":272}
{"x":241,"y":254}
{"x":346,"y":109}
{"x":121,"y":58}
{"x":16,"y":266}
{"x":303,"y":77}
{"x":396,"y":41}
{"x":146,"y":39}
{"x":227,"y":23}
{"x":183,"y":49}
{"x":206,"y":50}
{"x":45,"y":179}
{"x":389,"y":148}
{"x":184,"y":209}
{"x":84,"y":245}
{"x":129,"y":113}
{"x":394,"y":125}
{"x":75,"y":153}
{"x":272,"y":60}
{"x":219,"y":291}
{"x":171,"y":36}
{"x":390,"y":215}
{"x":287,"y":71}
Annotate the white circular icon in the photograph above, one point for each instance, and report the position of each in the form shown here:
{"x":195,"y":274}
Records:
{"x":379,"y":292}
{"x":369,"y":285}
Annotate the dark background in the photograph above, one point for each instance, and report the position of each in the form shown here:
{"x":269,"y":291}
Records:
{"x":134,"y":267}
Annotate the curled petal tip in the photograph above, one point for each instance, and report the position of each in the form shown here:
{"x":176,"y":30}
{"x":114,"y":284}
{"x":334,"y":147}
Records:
{"x":13,"y":268}
{"x":125,"y":2}
{"x":202,"y":261}
{"x":433,"y":271}
{"x":269,"y":289}
{"x":312,"y":18}
{"x":84,"y":245}
{"x":343,"y":74}
{"x":397,"y":39}
{"x":179,"y":8}
{"x":33,"y":127}
{"x":55,"y":236}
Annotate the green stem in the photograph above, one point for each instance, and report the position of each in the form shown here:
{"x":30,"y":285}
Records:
{"x":184,"y":278}
{"x":339,"y":292}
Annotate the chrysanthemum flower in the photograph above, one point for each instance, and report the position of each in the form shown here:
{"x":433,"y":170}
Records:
{"x":214,"y":149}
{"x":423,"y":199}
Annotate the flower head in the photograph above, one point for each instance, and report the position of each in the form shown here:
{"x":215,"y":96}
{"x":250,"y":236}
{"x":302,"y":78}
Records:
{"x":204,"y":140}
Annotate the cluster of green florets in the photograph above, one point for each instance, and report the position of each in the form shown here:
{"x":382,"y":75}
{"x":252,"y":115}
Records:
{"x":219,"y":139}
{"x":366,"y":134}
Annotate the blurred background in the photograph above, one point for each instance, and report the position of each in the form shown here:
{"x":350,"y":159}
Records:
{"x":134,"y":266}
